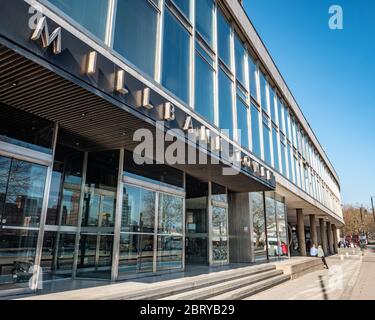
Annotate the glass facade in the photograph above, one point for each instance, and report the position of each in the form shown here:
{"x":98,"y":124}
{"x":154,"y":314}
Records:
{"x":176,"y":57}
{"x":91,"y":14}
{"x":187,"y":73}
{"x":160,"y":215}
{"x":135,"y":34}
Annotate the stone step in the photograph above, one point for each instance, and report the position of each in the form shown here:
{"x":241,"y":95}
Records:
{"x":174,"y":287}
{"x":214,"y":290}
{"x":251,"y":289}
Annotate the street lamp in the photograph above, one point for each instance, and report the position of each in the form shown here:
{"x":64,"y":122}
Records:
{"x":372,"y":204}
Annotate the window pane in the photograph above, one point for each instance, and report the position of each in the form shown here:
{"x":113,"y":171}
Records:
{"x":224,"y":39}
{"x":259,"y":226}
{"x":169,"y":254}
{"x":266,"y":143}
{"x":272,"y":105}
{"x":225,"y":103}
{"x":219,"y":221}
{"x":176,"y":48}
{"x":240,"y":60}
{"x":255,"y":130}
{"x":136,"y":253}
{"x":253,"y":77}
{"x":263,"y":93}
{"x":275,"y":149}
{"x":204,"y":89}
{"x":170,"y":214}
{"x":91,"y":14}
{"x":184,"y":6}
{"x":138,"y":212}
{"x":283,"y":158}
{"x":271,"y":226}
{"x":204,"y":19}
{"x":282,"y":227}
{"x":242,"y":116}
{"x":135,"y":34}
{"x":281,"y":113}
{"x":291,"y":161}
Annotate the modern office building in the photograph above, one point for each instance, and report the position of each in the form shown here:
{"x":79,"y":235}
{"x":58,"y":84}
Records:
{"x":83,"y":84}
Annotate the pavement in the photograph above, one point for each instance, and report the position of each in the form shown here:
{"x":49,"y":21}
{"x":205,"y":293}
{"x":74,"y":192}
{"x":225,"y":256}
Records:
{"x":348,"y":278}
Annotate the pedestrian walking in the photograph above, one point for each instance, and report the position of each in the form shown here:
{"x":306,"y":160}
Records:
{"x":321,"y":255}
{"x":313,"y":251}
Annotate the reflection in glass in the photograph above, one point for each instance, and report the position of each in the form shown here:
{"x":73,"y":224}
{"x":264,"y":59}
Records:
{"x":184,"y":6}
{"x":220,"y":249}
{"x":170,"y":217}
{"x":283,"y":157}
{"x":266,"y":143}
{"x":225,"y":104}
{"x":219,"y":221}
{"x":282,"y":227}
{"x":22,"y":203}
{"x":204,"y":88}
{"x":263,"y":92}
{"x":91,"y":14}
{"x":253,"y":78}
{"x":175,"y":63}
{"x":224,"y":39}
{"x":204,"y":19}
{"x":65,"y":192}
{"x":242,"y":123}
{"x":17,"y":255}
{"x":240,"y":60}
{"x":255,"y":131}
{"x":275,"y":139}
{"x":169,"y":254}
{"x":58,"y":254}
{"x":95,"y":256}
{"x":135,"y":34}
{"x":136,"y":253}
{"x":259,"y":226}
{"x":273,"y":245}
{"x":138,"y":210}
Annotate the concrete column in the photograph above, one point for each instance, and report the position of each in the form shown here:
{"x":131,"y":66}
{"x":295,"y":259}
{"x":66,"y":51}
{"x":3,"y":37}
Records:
{"x":314,"y":233}
{"x":301,"y":233}
{"x":330,"y":237}
{"x":335,"y":240}
{"x":323,"y":235}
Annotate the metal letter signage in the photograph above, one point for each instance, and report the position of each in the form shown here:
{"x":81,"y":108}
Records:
{"x":41,"y":30}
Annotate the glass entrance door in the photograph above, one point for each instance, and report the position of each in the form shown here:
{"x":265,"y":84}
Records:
{"x":21,"y":199}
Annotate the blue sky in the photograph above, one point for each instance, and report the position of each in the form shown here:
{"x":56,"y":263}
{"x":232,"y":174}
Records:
{"x":331,"y":75}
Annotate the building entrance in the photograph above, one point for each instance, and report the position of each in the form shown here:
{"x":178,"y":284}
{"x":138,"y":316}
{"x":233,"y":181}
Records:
{"x":21,"y":199}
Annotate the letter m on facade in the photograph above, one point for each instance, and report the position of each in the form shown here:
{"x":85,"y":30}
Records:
{"x":41,"y":31}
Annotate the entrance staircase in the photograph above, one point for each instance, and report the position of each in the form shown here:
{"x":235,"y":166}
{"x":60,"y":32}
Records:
{"x":232,"y":284}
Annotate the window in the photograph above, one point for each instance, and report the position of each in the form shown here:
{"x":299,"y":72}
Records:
{"x":253,"y":78}
{"x":135,"y":34}
{"x":275,"y":149}
{"x":240,"y":60}
{"x":91,"y":14}
{"x":266,"y":142}
{"x":204,"y":88}
{"x":263,"y":92}
{"x":283,"y":156}
{"x":224,"y":39}
{"x":255,"y":134}
{"x":281,"y":112}
{"x":273,"y":106}
{"x":176,"y":48}
{"x":290,"y":161}
{"x":242,"y":124}
{"x":184,"y":6}
{"x":225,"y":103}
{"x":259,"y":226}
{"x":204,"y":19}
